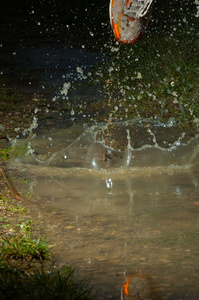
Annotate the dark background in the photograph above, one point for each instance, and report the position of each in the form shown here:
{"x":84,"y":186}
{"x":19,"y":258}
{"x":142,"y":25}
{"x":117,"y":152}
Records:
{"x":38,"y":22}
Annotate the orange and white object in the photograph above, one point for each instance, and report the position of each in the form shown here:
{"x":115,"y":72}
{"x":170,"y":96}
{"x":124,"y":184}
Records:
{"x":129,"y":18}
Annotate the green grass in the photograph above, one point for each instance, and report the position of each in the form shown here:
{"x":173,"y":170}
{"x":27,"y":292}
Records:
{"x":5,"y":154}
{"x":25,"y":268}
{"x":25,"y":272}
{"x":9,"y":103}
{"x":41,"y":283}
{"x":23,"y":245}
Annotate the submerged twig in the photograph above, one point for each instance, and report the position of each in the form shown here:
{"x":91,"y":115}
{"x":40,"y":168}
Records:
{"x":11,"y":187}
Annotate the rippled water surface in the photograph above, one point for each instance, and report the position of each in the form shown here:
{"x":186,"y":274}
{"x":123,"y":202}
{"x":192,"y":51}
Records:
{"x":121,"y":221}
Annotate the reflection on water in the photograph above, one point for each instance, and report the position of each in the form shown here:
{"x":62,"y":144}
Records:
{"x":140,"y":286}
{"x":113,"y":224}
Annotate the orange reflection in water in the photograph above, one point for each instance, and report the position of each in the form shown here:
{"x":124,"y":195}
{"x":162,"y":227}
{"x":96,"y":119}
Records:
{"x":140,"y":287}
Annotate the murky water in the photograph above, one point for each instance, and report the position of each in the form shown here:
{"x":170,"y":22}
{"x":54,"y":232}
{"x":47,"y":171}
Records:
{"x":139,"y":218}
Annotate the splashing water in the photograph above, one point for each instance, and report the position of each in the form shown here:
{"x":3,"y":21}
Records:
{"x":113,"y":145}
{"x":128,"y":183}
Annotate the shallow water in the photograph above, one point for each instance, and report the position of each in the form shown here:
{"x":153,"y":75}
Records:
{"x":115,"y":222}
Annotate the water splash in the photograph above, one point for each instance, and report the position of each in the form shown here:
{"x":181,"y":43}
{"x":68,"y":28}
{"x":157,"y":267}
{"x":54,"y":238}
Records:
{"x":112,"y":145}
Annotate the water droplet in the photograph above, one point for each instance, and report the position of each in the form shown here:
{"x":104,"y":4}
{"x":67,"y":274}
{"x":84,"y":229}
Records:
{"x":174,"y":94}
